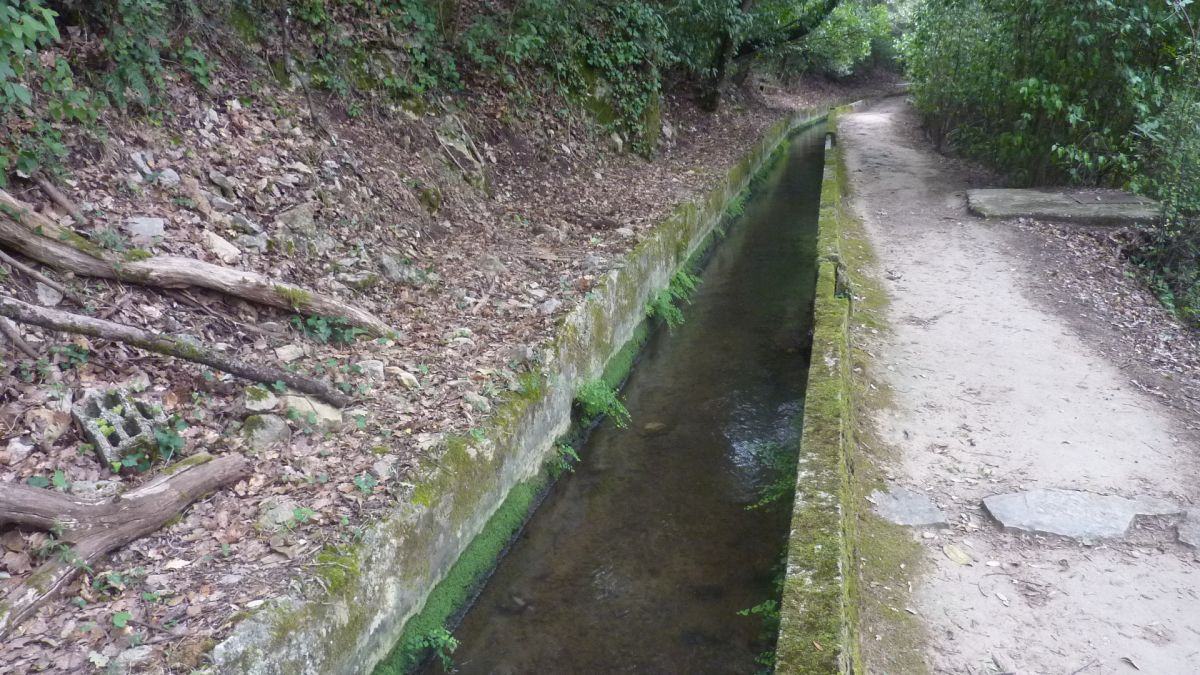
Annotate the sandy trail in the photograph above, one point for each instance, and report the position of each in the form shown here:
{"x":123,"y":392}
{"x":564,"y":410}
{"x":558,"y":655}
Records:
{"x":996,"y":393}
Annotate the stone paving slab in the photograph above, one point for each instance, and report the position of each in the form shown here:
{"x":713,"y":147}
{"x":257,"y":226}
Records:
{"x":903,"y":506}
{"x":1073,"y":513}
{"x":1188,"y":530}
{"x":1087,"y":206}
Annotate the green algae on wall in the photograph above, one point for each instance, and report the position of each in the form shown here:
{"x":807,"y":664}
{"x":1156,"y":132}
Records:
{"x":818,"y":614}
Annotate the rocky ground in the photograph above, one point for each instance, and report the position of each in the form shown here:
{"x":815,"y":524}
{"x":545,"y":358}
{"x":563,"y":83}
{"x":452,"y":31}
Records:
{"x":470,"y":230}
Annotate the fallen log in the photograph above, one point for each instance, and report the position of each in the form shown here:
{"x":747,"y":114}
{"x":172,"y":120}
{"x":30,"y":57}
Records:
{"x":86,"y":531}
{"x":33,"y":235}
{"x":162,"y":343}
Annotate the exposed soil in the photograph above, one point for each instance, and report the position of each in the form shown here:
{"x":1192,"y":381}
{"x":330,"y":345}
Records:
{"x":485,"y":258}
{"x":1020,"y":356}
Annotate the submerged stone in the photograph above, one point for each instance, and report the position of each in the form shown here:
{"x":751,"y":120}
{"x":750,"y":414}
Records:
{"x":1073,"y":513}
{"x":903,"y":506}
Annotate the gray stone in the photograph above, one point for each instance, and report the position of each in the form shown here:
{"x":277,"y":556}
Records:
{"x":395,"y":269}
{"x":384,"y":467}
{"x":142,"y":161}
{"x":903,"y":506}
{"x":46,"y":296}
{"x":358,"y":280}
{"x":1188,"y":530}
{"x":372,"y":369}
{"x":313,"y":411}
{"x":168,"y":178}
{"x":300,"y":217}
{"x":221,"y":204}
{"x":259,"y":399}
{"x":264,"y":431}
{"x":409,"y":380}
{"x":222,"y":181}
{"x":1073,"y":513}
{"x":275,"y":513}
{"x":1089,"y":206}
{"x":18,"y":449}
{"x":129,"y":659}
{"x":244,"y":224}
{"x":220,"y":247}
{"x":117,"y":424}
{"x":95,"y":489}
{"x":289,"y":353}
{"x":253,"y":242}
{"x":549,"y":307}
{"x":477,"y":402}
{"x":144,"y":231}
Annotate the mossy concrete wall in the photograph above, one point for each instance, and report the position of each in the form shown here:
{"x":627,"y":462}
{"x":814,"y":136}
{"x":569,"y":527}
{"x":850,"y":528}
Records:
{"x":371,"y":590}
{"x":818,"y":613}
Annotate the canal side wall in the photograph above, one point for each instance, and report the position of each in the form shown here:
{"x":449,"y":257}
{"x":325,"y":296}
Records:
{"x":392,"y":591}
{"x":818,"y":612}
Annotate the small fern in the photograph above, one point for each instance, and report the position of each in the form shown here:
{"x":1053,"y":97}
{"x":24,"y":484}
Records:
{"x":597,"y":398}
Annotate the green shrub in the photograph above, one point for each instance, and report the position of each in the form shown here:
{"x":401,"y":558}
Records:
{"x":596,"y":398}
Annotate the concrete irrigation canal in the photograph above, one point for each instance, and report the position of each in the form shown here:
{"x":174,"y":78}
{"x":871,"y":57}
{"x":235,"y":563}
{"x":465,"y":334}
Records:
{"x":643,"y":558}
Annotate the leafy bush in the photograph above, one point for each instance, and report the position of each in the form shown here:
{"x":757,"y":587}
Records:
{"x":1171,"y":252}
{"x":1099,"y":92}
{"x":37,"y":90}
{"x":846,"y":39}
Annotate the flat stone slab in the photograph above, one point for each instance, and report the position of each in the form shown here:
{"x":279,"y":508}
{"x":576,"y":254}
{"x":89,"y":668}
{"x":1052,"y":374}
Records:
{"x":1188,"y":530}
{"x":1073,"y":513}
{"x":1091,"y":206}
{"x":903,"y":506}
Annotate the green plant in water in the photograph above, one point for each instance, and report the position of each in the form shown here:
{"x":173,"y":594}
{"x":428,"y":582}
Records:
{"x":596,"y":398}
{"x":665,"y":304}
{"x":779,"y":463}
{"x":565,"y":459}
{"x":443,"y":644}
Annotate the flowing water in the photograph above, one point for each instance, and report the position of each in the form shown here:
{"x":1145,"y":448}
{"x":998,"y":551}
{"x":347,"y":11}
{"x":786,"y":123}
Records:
{"x":640,"y":561}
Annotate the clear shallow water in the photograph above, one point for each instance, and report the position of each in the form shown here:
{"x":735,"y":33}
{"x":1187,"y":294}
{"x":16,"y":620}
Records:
{"x":640,"y":561}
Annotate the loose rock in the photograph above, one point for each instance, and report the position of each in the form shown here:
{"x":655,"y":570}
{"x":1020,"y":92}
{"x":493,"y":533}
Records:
{"x":312,"y":411}
{"x":264,"y":431}
{"x":903,"y":506}
{"x":220,"y":247}
{"x":145,"y":231}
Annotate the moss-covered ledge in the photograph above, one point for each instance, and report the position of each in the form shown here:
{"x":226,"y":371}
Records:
{"x":413,"y":567}
{"x":818,"y":612}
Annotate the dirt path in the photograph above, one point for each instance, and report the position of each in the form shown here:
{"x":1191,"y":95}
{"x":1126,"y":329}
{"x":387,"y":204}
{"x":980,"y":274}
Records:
{"x":995,"y":393}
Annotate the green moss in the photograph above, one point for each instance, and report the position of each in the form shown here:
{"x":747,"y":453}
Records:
{"x":463,"y":578}
{"x":257,"y":393}
{"x":337,"y":566}
{"x":296,"y":298}
{"x":252,"y":424}
{"x":187,"y":462}
{"x":136,"y":254}
{"x":844,"y":546}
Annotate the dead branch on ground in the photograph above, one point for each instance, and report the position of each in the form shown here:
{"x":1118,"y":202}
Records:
{"x":36,"y":237}
{"x":162,"y":343}
{"x":86,"y":531}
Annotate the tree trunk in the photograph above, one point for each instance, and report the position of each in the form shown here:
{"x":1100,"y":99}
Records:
{"x":89,"y":530}
{"x":170,"y":345}
{"x":41,"y":239}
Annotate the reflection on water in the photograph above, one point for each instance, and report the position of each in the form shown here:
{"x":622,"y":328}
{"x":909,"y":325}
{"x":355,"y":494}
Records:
{"x":640,"y":561}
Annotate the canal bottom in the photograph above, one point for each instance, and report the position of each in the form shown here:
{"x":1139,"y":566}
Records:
{"x":646,"y":558}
